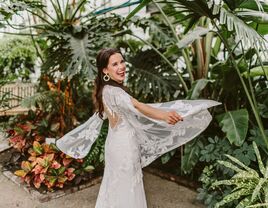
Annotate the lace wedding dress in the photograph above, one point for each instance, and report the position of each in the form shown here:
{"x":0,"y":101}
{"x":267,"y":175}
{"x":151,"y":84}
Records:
{"x":133,"y":141}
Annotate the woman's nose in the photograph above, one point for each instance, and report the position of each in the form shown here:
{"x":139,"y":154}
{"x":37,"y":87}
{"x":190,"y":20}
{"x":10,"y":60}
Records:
{"x":122,"y":66}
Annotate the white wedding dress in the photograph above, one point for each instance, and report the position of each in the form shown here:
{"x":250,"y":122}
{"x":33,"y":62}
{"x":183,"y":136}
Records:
{"x":133,"y":141}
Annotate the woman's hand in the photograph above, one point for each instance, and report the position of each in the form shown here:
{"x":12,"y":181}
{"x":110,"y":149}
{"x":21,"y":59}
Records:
{"x":172,"y":117}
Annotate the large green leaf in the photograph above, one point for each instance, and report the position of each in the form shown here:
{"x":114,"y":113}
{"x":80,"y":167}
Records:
{"x":138,"y":8}
{"x":73,"y":50}
{"x":257,"y":71}
{"x":235,"y":125}
{"x":197,"y":88}
{"x":149,"y":78}
{"x":82,"y":56}
{"x":191,"y":155}
{"x":166,"y":157}
{"x":196,"y":34}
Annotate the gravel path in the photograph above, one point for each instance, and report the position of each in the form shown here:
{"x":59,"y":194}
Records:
{"x":160,"y":194}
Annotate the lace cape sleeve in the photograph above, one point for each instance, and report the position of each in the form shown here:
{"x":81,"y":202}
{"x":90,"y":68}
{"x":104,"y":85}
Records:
{"x":156,"y":137}
{"x":77,"y":142}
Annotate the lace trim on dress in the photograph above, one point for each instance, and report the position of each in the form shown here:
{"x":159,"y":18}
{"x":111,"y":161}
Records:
{"x":157,"y":137}
{"x":77,"y":142}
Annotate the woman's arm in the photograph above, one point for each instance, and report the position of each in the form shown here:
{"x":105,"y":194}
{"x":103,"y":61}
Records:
{"x":170,"y":117}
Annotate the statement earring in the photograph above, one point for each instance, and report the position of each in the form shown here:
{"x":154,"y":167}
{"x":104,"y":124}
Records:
{"x":106,"y":77}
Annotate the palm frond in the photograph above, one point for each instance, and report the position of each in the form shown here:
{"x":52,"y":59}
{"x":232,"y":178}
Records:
{"x":249,"y":37}
{"x":259,"y":5}
{"x":253,"y":13}
{"x":138,"y":8}
{"x":217,"y":4}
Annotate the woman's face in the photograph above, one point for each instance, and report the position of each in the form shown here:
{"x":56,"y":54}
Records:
{"x":116,"y":68}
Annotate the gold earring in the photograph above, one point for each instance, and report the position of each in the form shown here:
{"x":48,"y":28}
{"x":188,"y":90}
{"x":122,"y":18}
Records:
{"x":106,"y":77}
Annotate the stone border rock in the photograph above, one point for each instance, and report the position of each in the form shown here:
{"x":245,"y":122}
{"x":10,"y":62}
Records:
{"x":4,"y":145}
{"x":48,"y":195}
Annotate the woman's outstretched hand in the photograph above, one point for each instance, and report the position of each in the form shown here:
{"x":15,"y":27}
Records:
{"x":172,"y":117}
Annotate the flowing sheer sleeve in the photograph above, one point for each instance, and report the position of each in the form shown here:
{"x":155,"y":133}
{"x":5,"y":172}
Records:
{"x":77,"y":142}
{"x":156,"y":137}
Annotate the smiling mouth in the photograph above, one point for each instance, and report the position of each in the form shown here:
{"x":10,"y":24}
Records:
{"x":121,"y":74}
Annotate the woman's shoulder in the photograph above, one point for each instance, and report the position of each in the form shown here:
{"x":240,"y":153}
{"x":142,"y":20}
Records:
{"x":113,"y":90}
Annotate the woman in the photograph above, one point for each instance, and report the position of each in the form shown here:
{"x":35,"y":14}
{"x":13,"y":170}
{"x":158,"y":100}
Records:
{"x":138,"y":133}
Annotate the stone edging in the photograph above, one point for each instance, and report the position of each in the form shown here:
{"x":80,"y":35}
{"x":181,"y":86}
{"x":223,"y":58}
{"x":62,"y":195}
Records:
{"x":4,"y":145}
{"x":48,"y":195}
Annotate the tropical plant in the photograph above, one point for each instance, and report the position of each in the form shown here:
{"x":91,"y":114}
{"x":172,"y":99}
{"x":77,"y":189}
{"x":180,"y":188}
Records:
{"x":27,"y":135}
{"x":73,"y":38}
{"x":250,"y":186}
{"x":235,"y":125}
{"x":41,"y":163}
{"x":205,"y":194}
{"x":149,"y":78}
{"x":44,"y":166}
{"x":212,"y":150}
{"x":231,"y":26}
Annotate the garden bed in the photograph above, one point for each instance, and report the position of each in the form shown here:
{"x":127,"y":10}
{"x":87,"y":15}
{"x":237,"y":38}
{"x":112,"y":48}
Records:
{"x":42,"y":194}
{"x":166,"y":171}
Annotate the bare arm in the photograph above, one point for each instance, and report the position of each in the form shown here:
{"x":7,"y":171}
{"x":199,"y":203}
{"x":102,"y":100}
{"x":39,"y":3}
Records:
{"x":170,"y":117}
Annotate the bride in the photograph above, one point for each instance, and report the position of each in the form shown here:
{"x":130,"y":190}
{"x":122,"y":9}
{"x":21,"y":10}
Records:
{"x":138,"y":133}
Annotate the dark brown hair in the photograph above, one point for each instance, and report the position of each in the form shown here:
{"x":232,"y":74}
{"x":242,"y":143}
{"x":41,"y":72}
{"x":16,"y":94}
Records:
{"x":102,"y":61}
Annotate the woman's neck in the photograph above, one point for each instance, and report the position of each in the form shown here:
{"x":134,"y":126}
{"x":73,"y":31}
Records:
{"x":113,"y":82}
{"x":116,"y":84}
